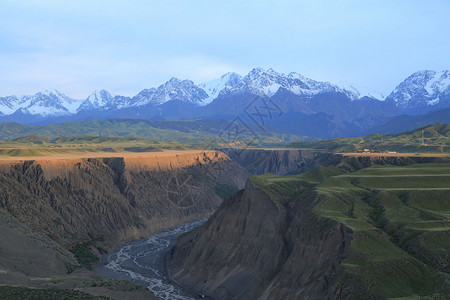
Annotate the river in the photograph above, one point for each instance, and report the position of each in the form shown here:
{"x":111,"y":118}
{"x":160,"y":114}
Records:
{"x":142,"y":262}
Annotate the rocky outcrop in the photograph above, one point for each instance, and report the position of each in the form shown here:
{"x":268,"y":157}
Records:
{"x":256,"y":248}
{"x":111,"y":200}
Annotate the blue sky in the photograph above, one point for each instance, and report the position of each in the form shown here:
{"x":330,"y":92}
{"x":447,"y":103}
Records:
{"x":126,"y":46}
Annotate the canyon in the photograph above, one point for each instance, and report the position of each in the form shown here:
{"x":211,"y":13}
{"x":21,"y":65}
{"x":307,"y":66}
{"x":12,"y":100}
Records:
{"x":60,"y":214}
{"x":350,"y":230}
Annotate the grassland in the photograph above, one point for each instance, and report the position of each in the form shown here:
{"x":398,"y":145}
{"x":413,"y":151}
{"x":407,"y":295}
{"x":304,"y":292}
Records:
{"x":436,"y":139}
{"x":188,"y":132}
{"x":118,"y":136}
{"x":400,"y":217}
{"x":38,"y":146}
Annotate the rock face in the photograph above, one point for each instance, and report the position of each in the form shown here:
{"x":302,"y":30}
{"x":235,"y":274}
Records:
{"x":24,"y":252}
{"x":278,"y":162}
{"x":255,"y":248}
{"x":111,"y":200}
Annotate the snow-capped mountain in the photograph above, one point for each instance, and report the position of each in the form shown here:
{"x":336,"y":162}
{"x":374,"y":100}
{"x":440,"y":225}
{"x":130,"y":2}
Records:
{"x":418,"y":93}
{"x":98,"y":100}
{"x":360,"y":92}
{"x":228,"y":83}
{"x":258,"y":81}
{"x":47,"y":103}
{"x":423,"y":89}
{"x":8,"y":105}
{"x":267,"y":82}
{"x":173,"y":90}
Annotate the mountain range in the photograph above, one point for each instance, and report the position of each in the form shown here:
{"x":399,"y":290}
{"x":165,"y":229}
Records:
{"x":288,"y":102}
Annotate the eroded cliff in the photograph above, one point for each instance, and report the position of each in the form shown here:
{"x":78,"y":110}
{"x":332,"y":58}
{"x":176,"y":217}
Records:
{"x":296,"y":161}
{"x":256,"y":247}
{"x":377,"y":233}
{"x":279,"y":162}
{"x":110,"y":200}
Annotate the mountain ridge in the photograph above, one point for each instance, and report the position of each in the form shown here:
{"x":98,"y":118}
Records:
{"x":257,"y":81}
{"x":287,"y":102}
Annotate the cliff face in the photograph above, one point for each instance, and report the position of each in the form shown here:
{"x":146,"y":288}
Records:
{"x":377,"y":233}
{"x":279,"y":162}
{"x":255,"y":248}
{"x":293,"y":161}
{"x":24,"y":252}
{"x":110,"y":200}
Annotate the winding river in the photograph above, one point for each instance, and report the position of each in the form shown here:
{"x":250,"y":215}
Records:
{"x":142,"y":262}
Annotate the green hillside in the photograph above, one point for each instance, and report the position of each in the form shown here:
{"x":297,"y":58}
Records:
{"x":436,"y":139}
{"x":38,"y":146}
{"x":400,"y":217}
{"x":192,"y":132}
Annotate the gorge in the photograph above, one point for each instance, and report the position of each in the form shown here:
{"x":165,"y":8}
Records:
{"x":64,"y":214}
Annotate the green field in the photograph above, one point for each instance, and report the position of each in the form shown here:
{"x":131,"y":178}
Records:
{"x":429,"y":139}
{"x":400,"y":217}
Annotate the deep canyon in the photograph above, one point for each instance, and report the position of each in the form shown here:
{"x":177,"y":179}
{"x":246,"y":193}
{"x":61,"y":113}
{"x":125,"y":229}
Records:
{"x":54,"y":211}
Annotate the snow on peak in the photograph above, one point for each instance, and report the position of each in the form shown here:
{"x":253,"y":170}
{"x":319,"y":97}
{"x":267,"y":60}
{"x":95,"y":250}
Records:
{"x":173,"y":90}
{"x":269,"y":82}
{"x":48,"y":103}
{"x":424,"y":87}
{"x":99,"y":99}
{"x":439,"y":83}
{"x":9,"y":104}
{"x":227,"y":83}
{"x":53,"y":92}
{"x":360,"y":92}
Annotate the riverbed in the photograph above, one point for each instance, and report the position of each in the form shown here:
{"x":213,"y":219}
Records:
{"x":143,"y":262}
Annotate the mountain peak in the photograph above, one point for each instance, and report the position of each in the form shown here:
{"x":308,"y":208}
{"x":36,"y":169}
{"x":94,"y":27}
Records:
{"x":422,"y":89}
{"x":227,"y":83}
{"x":52,"y":92}
{"x":173,"y":80}
{"x":99,"y":99}
{"x":172,"y":90}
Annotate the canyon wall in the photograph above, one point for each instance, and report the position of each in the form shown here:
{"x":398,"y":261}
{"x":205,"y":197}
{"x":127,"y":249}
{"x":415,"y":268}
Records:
{"x":311,"y":236}
{"x":295,"y":161}
{"x":111,"y":200}
{"x":256,"y":248}
{"x":279,"y":162}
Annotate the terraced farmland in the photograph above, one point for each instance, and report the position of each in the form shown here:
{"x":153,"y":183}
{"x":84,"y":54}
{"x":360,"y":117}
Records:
{"x":400,"y":217}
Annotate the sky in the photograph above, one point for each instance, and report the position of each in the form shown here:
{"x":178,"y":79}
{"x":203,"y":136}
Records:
{"x":80,"y":46}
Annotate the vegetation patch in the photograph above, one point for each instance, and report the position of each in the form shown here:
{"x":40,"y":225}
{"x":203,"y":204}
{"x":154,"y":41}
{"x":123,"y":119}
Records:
{"x":429,"y":139}
{"x":84,"y":255}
